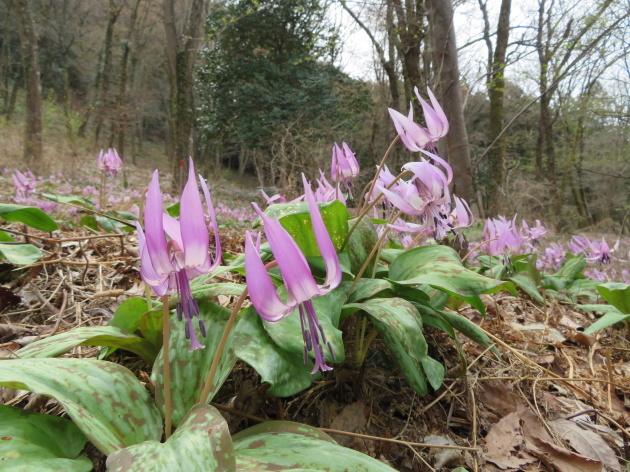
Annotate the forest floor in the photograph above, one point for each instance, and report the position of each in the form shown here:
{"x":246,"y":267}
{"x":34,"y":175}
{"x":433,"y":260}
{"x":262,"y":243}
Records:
{"x":551,"y":399}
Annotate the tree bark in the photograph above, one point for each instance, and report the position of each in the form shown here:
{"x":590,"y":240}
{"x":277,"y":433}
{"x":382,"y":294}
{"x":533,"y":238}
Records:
{"x":497,"y":156}
{"x":30,"y":57}
{"x":105,"y":73}
{"x":181,"y":56}
{"x":449,"y":94}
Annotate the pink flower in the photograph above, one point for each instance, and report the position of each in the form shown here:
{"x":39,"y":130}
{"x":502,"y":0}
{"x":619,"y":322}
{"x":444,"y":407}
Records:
{"x":109,"y":162}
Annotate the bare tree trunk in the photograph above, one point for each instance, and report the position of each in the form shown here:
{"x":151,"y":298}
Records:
{"x":123,"y":108}
{"x":30,"y":57}
{"x":496,"y":91}
{"x":103,"y":89}
{"x":180,"y":62}
{"x":450,"y":95}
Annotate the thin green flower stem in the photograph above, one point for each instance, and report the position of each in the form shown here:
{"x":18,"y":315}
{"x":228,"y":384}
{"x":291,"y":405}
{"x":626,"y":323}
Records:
{"x":367,"y":342}
{"x":207,"y":388}
{"x":378,"y":251}
{"x":100,"y":198}
{"x":380,"y":166}
{"x":369,"y":257}
{"x":361,"y":337}
{"x":370,"y":206}
{"x":166,"y":331}
{"x":477,"y":247}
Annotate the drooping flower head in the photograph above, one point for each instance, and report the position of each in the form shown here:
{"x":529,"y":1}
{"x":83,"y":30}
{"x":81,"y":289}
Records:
{"x":24,"y":184}
{"x":414,"y":136}
{"x":578,"y":245}
{"x":344,"y":166}
{"x":173,"y":252}
{"x":534,"y":234}
{"x":299,"y":281}
{"x":507,"y":239}
{"x":109,"y":162}
{"x":601,"y":252}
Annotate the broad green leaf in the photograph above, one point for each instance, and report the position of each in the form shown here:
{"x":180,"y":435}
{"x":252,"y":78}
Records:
{"x":468,"y":328}
{"x":571,"y":268}
{"x":5,"y":237}
{"x":527,"y":284}
{"x":128,"y":314}
{"x":39,"y":441}
{"x":173,"y":210}
{"x":361,"y":242}
{"x":287,"y":333}
{"x":21,"y":254}
{"x":201,"y":443}
{"x":283,"y":427}
{"x":81,"y":464}
{"x":284,"y":371}
{"x":290,"y":451}
{"x":611,"y":316}
{"x":189,"y":370}
{"x":398,"y":317}
{"x":151,"y":327}
{"x":69,"y":199}
{"x":434,"y":371}
{"x":105,"y":400}
{"x":93,"y":336}
{"x":368,"y":288}
{"x":296,"y":219}
{"x":30,"y":216}
{"x":388,"y":255}
{"x":440,"y":267}
{"x":617,"y":294}
{"x":400,"y":325}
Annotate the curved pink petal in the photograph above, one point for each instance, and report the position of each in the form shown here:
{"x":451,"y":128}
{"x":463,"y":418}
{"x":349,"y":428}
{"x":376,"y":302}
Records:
{"x":149,"y":275}
{"x":172,"y":228}
{"x":412,"y":135}
{"x":291,"y":261}
{"x":218,"y":254}
{"x":192,"y":222}
{"x":353,"y":164}
{"x":442,"y":162}
{"x":400,"y":202}
{"x":325,"y":244}
{"x":154,"y":229}
{"x":438,"y":110}
{"x":262,"y":291}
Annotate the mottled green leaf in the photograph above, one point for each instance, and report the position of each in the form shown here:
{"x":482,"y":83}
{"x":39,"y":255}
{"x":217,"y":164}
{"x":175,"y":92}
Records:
{"x":30,"y":216}
{"x":434,"y":371}
{"x":368,"y":288}
{"x":284,"y":371}
{"x":39,"y":441}
{"x":189,"y":370}
{"x":400,"y":325}
{"x":93,"y":336}
{"x":296,"y":219}
{"x":201,"y":443}
{"x":105,"y":400}
{"x":527,"y":284}
{"x":20,"y":254}
{"x":440,"y":267}
{"x":284,"y":451}
{"x":468,"y":328}
{"x":287,"y":333}
{"x":361,"y":242}
{"x":617,"y":294}
{"x":82,"y":464}
{"x":283,"y":427}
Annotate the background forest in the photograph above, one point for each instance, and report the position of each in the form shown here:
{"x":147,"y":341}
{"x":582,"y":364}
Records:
{"x":538,"y":103}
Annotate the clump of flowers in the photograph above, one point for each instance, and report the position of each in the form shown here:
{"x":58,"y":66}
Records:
{"x":25,"y":184}
{"x":504,"y":238}
{"x":298,"y":279}
{"x":173,"y":252}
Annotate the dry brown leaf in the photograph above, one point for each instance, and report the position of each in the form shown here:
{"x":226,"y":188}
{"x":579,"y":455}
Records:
{"x":499,"y":397}
{"x":351,"y":418}
{"x":587,"y":443}
{"x":505,"y":442}
{"x":540,"y":444}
